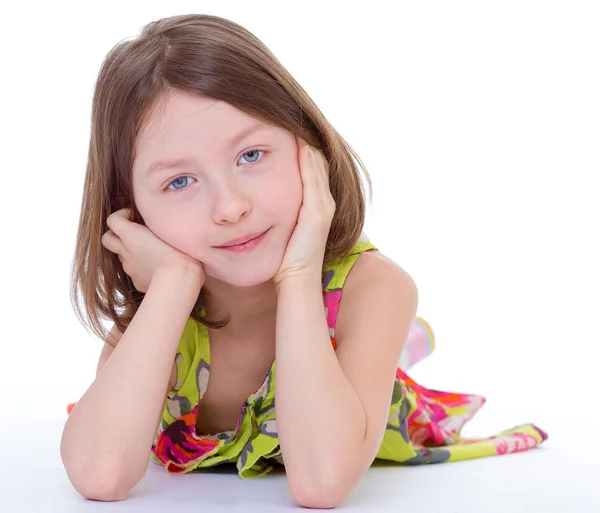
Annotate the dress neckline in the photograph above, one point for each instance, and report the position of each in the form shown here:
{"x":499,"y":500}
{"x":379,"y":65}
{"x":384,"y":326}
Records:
{"x":205,"y":335}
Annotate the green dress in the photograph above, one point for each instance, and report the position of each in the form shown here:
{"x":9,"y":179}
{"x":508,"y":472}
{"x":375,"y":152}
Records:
{"x":423,"y":425}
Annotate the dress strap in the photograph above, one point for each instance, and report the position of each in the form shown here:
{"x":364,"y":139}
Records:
{"x":333,"y":280}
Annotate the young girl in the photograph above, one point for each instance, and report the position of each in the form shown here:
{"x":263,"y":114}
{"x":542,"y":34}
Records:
{"x":253,"y":321}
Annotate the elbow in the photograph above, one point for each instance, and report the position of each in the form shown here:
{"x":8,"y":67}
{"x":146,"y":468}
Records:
{"x":99,"y":478}
{"x":98,"y":486}
{"x":105,"y":491}
{"x":318,"y":498}
{"x":327,"y":486}
{"x":99,"y":482}
{"x":308,"y":493}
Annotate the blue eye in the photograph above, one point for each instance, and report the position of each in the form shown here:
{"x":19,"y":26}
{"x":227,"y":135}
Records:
{"x":180,"y":182}
{"x":253,"y":152}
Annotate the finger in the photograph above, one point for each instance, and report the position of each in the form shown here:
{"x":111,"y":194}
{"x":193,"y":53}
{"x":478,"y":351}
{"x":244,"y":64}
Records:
{"x":301,"y":143}
{"x":325,"y":199}
{"x":320,"y":165}
{"x":111,"y":242}
{"x":307,"y":171}
{"x":115,"y":221}
{"x":318,"y":160}
{"x":123,"y":212}
{"x":302,"y":152}
{"x":324,"y":165}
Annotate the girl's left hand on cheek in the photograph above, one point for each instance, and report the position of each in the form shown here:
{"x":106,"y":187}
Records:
{"x":306,"y":247}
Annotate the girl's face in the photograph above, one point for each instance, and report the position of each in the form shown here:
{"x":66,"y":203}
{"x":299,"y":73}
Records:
{"x":228,"y":182}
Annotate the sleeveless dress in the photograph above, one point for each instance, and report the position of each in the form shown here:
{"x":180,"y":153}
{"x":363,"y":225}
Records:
{"x":423,"y":425}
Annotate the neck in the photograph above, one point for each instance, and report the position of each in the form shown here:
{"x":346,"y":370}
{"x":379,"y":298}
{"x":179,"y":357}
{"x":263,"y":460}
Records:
{"x":250,"y":308}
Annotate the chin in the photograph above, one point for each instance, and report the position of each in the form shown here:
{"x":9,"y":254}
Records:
{"x":242,"y":275}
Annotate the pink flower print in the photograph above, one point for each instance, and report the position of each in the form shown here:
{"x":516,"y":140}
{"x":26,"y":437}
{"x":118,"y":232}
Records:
{"x":332,"y":302}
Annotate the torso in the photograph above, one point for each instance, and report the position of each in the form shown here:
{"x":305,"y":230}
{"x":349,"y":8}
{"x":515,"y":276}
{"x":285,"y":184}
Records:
{"x":238,"y":367}
{"x":237,"y":370}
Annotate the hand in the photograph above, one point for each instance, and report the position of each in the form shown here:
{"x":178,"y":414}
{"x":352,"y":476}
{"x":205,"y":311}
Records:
{"x":141,"y":252}
{"x":306,"y":247}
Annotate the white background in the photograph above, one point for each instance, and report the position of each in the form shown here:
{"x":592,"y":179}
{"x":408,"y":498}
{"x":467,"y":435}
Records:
{"x":479,"y":124}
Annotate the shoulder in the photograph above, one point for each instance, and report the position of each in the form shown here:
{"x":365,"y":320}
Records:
{"x":375,"y":287}
{"x":373,"y":271}
{"x":374,"y":264}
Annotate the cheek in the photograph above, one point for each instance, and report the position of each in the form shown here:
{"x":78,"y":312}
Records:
{"x":179,"y":228}
{"x":283,"y":198}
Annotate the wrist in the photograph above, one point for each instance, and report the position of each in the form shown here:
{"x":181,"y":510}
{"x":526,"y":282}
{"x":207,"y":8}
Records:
{"x":305,"y":281}
{"x":183,"y":275}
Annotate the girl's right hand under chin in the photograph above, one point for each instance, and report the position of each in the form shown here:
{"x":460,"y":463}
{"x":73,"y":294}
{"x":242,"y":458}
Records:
{"x":141,"y":252}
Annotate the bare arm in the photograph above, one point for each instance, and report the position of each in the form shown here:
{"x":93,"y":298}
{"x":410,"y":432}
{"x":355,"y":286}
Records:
{"x":114,"y":337}
{"x":324,"y":460}
{"x":107,"y":439}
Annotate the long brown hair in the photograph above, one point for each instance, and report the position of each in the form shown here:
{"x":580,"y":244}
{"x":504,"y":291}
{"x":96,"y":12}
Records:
{"x":214,"y":58}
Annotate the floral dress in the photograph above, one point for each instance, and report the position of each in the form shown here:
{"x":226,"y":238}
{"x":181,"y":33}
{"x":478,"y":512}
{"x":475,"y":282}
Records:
{"x":423,"y":426}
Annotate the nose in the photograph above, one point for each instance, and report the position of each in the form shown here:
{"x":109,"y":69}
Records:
{"x":231,"y":203}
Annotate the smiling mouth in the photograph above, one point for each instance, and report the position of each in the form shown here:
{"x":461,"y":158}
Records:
{"x":247,"y":244}
{"x":243,"y":240}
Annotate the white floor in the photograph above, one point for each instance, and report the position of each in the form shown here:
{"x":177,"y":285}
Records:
{"x":555,"y":477}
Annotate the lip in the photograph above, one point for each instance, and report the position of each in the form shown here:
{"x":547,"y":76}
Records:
{"x":241,"y":240}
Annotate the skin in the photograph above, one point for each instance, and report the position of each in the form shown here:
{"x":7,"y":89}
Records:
{"x":223,"y":194}
{"x":354,"y":383}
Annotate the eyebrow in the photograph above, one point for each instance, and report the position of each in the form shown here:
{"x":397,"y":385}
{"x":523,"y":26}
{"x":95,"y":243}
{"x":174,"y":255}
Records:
{"x":160,"y":165}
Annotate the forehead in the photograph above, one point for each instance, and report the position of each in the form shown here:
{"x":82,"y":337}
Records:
{"x":179,"y":112}
{"x":180,"y":123}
